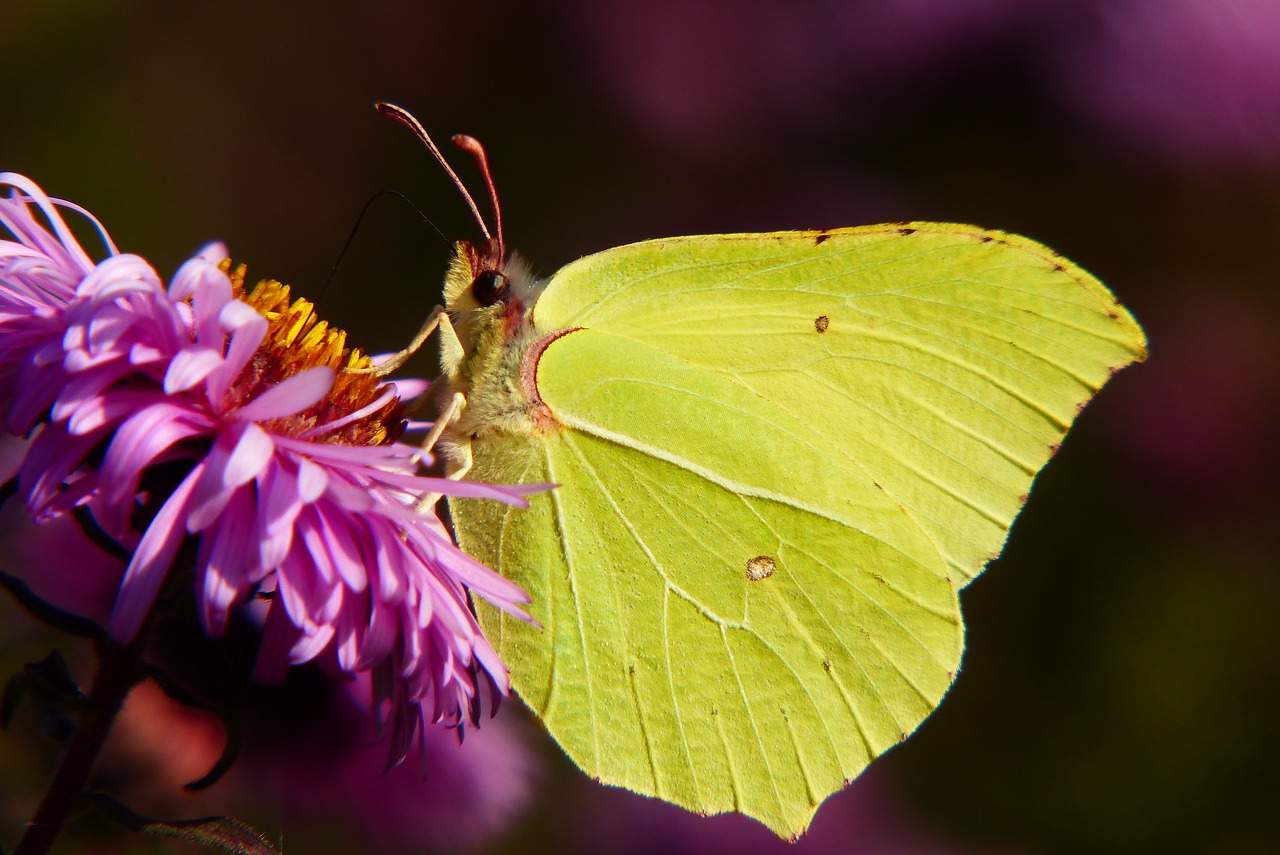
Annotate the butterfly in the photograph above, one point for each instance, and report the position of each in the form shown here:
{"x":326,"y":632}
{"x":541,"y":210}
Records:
{"x":779,"y":458}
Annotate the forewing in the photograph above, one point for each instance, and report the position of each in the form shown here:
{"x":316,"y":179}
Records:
{"x":945,"y":361}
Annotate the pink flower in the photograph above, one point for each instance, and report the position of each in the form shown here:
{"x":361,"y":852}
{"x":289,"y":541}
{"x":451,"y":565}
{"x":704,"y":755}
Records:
{"x":39,"y":272}
{"x":202,"y":416}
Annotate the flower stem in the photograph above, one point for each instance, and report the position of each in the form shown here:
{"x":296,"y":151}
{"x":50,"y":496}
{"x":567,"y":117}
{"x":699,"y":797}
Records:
{"x":117,"y":674}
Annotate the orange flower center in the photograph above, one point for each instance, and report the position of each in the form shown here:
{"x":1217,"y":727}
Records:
{"x":296,"y":340}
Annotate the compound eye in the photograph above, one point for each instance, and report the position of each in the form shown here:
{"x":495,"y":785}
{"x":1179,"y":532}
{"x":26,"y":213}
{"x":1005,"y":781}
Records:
{"x":489,"y":287}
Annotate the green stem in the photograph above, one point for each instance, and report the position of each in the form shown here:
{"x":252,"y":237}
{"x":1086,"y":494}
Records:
{"x":118,"y":671}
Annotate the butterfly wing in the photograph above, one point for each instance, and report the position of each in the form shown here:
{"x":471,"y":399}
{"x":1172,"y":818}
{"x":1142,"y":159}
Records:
{"x":864,"y":409}
{"x":662,"y":667}
{"x":947,"y":361}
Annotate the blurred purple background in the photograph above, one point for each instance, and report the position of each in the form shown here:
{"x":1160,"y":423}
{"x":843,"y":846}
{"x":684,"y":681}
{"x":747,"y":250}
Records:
{"x":1120,"y":683}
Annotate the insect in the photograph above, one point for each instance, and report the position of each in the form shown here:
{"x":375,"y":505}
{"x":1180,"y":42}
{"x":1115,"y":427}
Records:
{"x":853,"y":415}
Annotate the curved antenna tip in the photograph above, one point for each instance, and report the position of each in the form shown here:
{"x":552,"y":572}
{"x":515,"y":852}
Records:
{"x":473,"y":147}
{"x":406,"y":118}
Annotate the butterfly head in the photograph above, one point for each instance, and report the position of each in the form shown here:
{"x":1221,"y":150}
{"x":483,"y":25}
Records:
{"x":488,"y":293}
{"x":482,"y":283}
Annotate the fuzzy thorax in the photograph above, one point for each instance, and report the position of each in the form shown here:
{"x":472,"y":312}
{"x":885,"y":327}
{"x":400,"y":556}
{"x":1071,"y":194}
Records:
{"x":494,"y":372}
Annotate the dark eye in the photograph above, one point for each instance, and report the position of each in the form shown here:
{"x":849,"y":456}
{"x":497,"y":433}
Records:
{"x":489,"y":287}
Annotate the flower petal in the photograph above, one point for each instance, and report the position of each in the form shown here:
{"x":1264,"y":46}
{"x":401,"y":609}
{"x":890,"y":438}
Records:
{"x":247,"y":329}
{"x":150,"y":563}
{"x":252,"y":453}
{"x":290,"y":396}
{"x":139,"y":442}
{"x":312,"y":480}
{"x":67,"y":241}
{"x":189,"y":368}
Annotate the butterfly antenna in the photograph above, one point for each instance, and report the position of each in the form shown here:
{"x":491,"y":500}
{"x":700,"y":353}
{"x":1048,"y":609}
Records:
{"x":346,"y":246}
{"x":405,"y":118}
{"x":472,"y":146}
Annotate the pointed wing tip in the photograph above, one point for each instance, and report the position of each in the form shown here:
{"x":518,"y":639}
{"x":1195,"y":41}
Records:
{"x":789,"y":829}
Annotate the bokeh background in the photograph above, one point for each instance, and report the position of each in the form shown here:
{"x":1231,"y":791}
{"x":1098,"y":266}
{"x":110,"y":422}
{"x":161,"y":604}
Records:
{"x":1120,"y":685}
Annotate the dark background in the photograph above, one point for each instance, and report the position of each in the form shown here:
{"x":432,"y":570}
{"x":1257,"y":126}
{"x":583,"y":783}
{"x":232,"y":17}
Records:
{"x":1120,"y":684}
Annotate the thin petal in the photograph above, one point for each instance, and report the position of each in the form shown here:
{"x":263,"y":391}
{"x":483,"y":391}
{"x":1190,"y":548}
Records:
{"x":150,"y":563}
{"x":231,"y":554}
{"x":189,"y":368}
{"x":291,"y":396}
{"x":251,"y":454}
{"x":247,"y":329}
{"x":46,"y":205}
{"x":137,"y":444}
{"x":308,"y":647}
{"x":312,"y":481}
{"x":342,"y":536}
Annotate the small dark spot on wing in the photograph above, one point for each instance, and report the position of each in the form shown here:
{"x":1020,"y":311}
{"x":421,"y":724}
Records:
{"x":761,"y":567}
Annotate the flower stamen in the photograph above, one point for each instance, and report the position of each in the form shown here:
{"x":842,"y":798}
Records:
{"x":358,"y":410}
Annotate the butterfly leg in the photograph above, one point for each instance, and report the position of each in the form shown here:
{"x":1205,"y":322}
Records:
{"x":414,"y":404}
{"x":459,"y":459}
{"x":451,"y":352}
{"x":449,"y":415}
{"x":451,"y":356}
